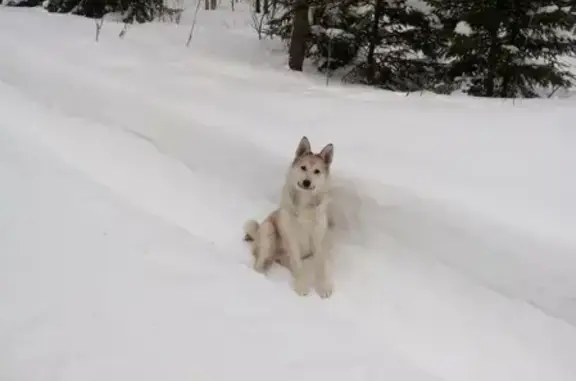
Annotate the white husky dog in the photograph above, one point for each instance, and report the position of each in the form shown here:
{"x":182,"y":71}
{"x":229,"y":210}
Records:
{"x":298,"y":234}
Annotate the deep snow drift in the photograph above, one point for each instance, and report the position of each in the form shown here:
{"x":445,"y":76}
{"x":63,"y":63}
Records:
{"x":128,"y":167}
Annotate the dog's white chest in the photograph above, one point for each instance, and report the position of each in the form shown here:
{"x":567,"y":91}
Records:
{"x":310,"y":227}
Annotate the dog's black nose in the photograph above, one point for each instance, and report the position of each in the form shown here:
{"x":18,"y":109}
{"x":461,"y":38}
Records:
{"x":306,"y":183}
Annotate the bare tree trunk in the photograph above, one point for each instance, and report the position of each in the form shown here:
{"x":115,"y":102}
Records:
{"x":99,"y":23}
{"x":374,"y":40}
{"x":300,"y":32}
{"x":258,"y":6}
{"x":207,"y":5}
{"x":213,"y":4}
{"x":490,"y":78}
{"x":193,"y":23}
{"x":266,"y":6}
{"x":492,"y":60}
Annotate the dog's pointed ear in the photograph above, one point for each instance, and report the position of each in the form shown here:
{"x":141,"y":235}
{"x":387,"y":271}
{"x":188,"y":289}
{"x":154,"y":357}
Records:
{"x":303,"y":147}
{"x":327,"y":153}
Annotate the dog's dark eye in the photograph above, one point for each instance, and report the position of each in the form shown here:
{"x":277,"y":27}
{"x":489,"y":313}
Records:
{"x":316,"y":171}
{"x":303,"y":167}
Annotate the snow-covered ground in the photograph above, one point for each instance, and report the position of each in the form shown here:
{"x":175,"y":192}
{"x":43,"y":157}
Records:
{"x":129,"y":165}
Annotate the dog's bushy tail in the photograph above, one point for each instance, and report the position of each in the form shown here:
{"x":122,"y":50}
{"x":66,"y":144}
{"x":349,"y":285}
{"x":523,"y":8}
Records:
{"x":251,"y":228}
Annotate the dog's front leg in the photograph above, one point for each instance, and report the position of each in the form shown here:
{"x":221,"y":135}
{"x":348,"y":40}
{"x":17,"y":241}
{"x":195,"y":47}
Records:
{"x":293,"y":246}
{"x":299,"y":273}
{"x":264,"y":247}
{"x":323,"y":261}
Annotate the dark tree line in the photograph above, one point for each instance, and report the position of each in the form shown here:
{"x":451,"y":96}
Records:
{"x":132,"y":10}
{"x":513,"y":47}
{"x":491,"y":48}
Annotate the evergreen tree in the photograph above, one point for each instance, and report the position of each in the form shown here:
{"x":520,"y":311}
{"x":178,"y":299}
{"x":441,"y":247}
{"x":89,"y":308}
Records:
{"x":133,"y":10}
{"x":22,"y":3}
{"x":398,"y":48}
{"x":327,"y":30}
{"x":507,"y":48}
{"x":88,"y":8}
{"x":338,"y":30}
{"x":385,"y":43}
{"x":141,"y":11}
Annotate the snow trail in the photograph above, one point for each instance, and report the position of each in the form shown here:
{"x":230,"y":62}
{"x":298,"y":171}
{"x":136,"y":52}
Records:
{"x":155,"y":156}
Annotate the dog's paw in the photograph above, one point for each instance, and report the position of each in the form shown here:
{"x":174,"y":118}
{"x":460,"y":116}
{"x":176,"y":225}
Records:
{"x":324,"y":291}
{"x":259,"y":268}
{"x":301,"y":288}
{"x":301,"y":292}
